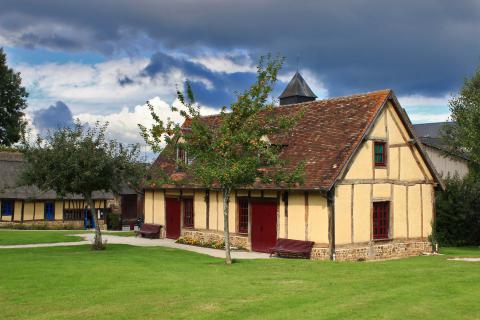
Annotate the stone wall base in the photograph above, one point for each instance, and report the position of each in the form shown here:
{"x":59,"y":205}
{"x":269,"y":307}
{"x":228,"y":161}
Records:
{"x":55,"y":224}
{"x":374,"y":251}
{"x":236,"y":240}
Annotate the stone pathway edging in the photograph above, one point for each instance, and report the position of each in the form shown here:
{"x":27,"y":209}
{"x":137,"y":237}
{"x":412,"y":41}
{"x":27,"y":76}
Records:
{"x":143,"y":242}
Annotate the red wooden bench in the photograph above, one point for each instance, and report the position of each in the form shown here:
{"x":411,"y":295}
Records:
{"x":150,"y":230}
{"x":292,"y":248}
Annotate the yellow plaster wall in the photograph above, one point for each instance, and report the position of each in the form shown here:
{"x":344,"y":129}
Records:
{"x":379,"y":129}
{"x":343,"y":214}
{"x":214,"y":211}
{"x":414,"y":211}
{"x":18,"y":210}
{"x":382,"y":191}
{"x":427,"y":201}
{"x":148,"y":206}
{"x":317,"y":218}
{"x":159,"y":207}
{"x":361,"y":212}
{"x":200,"y":210}
{"x":39,"y":210}
{"x":281,"y":220}
{"x":58,"y":210}
{"x":393,"y":163}
{"x":362,"y":164}
{"x":28,"y":210}
{"x":399,"y":211}
{"x":296,"y":216}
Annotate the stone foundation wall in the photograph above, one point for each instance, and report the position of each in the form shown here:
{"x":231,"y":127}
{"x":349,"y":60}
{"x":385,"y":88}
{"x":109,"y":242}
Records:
{"x":56,"y":224}
{"x":239,"y":241}
{"x":374,"y":251}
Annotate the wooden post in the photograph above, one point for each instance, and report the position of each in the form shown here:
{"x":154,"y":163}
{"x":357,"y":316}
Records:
{"x":331,"y":223}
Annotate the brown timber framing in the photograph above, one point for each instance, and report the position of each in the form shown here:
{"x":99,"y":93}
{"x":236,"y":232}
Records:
{"x":352,"y":224}
{"x":285,"y":200}
{"x":331,"y":222}
{"x":207,"y":209}
{"x":306,"y":215}
{"x":384,"y":181}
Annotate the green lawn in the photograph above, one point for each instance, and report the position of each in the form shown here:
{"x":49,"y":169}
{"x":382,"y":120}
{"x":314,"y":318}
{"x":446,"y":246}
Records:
{"x":126,"y":282}
{"x":11,"y":237}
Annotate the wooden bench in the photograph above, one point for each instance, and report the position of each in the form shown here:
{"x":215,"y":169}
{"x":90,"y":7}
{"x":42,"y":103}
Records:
{"x":292,"y":248}
{"x":150,"y":230}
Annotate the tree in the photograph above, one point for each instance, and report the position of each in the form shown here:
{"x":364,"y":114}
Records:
{"x":457,"y":221}
{"x":81,"y":160}
{"x":464,"y":135}
{"x":13,"y":100}
{"x":236,"y":152}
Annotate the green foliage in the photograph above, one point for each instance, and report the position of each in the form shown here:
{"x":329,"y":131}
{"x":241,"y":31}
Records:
{"x":235,"y":152}
{"x":465,"y":108}
{"x":80,"y":160}
{"x":13,"y":100}
{"x":458,"y":212}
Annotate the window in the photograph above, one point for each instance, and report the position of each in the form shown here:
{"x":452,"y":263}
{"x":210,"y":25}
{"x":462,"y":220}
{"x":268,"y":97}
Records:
{"x":49,"y":211}
{"x":7,"y":208}
{"x":243,"y":216}
{"x":381,"y":220}
{"x":188,"y":213}
{"x":380,"y":154}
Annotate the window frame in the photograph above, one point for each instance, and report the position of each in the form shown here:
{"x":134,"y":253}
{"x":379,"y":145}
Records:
{"x":243,"y":217}
{"x":381,"y":225}
{"x":186,"y":219}
{"x":382,"y":163}
{"x":12,"y":208}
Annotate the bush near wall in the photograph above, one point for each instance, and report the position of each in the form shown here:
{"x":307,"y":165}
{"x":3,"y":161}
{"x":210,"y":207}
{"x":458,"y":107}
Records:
{"x":458,"y":212}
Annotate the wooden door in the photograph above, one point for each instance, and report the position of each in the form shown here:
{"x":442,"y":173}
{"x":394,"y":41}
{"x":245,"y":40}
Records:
{"x":264,"y":225}
{"x":173,"y":218}
{"x":49,"y":211}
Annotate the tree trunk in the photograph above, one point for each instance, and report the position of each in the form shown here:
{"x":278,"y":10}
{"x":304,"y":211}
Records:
{"x":97,"y":244}
{"x":226,"y":200}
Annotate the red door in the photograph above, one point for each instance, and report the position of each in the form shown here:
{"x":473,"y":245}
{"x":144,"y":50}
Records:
{"x":173,"y":218}
{"x":264,"y":225}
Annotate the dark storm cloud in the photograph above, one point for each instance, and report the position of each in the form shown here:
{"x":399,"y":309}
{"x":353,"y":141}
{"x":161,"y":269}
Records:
{"x":423,"y":47}
{"x":222,"y":86}
{"x":54,"y":117}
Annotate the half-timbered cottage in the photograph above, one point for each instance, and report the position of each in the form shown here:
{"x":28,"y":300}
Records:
{"x":29,"y":205}
{"x":368,"y":191}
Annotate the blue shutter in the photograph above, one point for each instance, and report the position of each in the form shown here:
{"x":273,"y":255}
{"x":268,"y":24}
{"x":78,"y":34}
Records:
{"x":7,"y":207}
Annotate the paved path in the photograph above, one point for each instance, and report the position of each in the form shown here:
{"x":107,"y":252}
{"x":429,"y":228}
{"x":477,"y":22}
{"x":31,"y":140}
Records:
{"x":143,"y":242}
{"x":466,"y":259}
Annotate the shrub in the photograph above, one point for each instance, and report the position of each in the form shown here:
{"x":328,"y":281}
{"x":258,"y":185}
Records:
{"x":458,"y":212}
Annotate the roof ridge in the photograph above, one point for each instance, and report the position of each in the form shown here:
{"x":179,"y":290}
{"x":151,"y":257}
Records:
{"x":384,"y":91}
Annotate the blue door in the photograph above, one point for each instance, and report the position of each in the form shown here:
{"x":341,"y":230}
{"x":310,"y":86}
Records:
{"x":7,"y":208}
{"x":49,"y":211}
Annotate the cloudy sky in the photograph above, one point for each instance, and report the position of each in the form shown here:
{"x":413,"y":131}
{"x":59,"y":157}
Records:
{"x":101,"y":60}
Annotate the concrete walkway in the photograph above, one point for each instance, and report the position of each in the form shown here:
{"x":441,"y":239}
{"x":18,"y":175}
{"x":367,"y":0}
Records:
{"x":466,"y":259}
{"x":143,"y":242}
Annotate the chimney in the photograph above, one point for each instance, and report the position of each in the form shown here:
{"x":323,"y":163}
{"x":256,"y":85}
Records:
{"x":297,"y":91}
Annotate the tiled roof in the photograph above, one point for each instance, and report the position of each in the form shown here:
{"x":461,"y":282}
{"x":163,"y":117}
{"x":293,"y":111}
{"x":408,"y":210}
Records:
{"x":325,"y":137}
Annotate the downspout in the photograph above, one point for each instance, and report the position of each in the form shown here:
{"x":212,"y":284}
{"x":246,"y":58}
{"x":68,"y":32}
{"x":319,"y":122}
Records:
{"x":331,"y":222}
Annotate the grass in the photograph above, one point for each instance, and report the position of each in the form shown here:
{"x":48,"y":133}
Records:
{"x":13,"y":237}
{"x":126,"y":282}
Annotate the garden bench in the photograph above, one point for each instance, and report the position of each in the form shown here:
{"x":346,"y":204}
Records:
{"x":292,"y":248}
{"x":150,"y":230}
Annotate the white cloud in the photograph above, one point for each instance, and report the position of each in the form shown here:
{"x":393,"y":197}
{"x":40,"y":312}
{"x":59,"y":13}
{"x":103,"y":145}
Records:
{"x":123,"y":125}
{"x":228,"y":62}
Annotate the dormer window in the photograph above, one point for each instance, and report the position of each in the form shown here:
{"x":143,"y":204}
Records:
{"x":182,"y":158}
